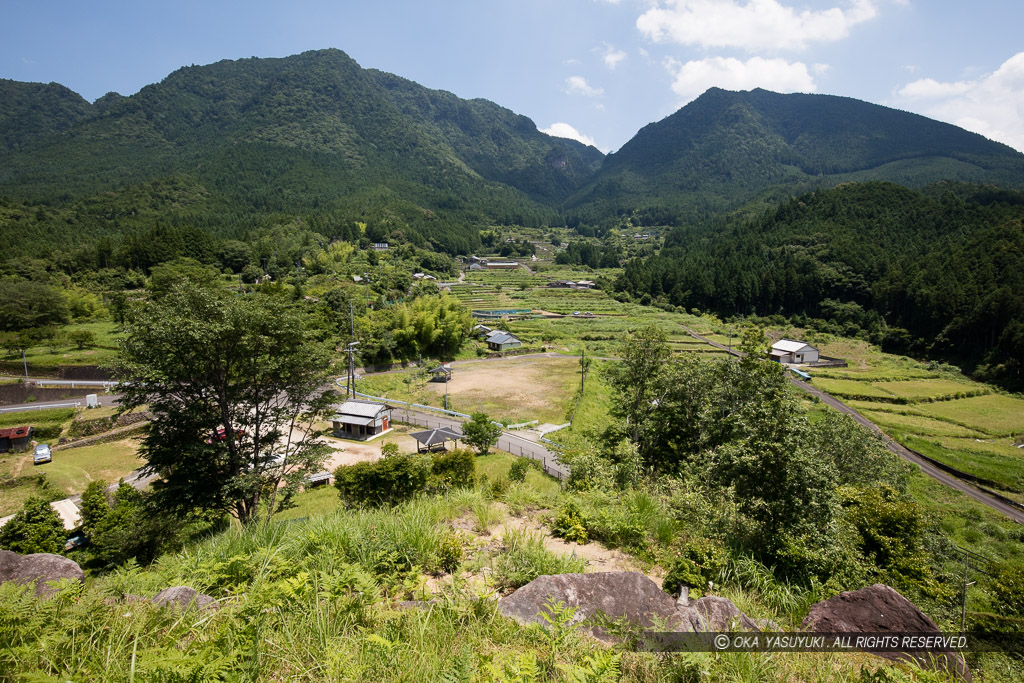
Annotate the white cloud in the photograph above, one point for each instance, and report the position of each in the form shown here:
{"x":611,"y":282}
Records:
{"x":929,"y":87}
{"x":612,"y":56}
{"x":992,"y":105}
{"x":577,"y":85}
{"x":755,"y":25}
{"x":564,"y":130}
{"x":694,"y":77}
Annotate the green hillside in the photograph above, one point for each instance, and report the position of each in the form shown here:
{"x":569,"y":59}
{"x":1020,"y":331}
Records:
{"x":728,"y":148}
{"x":936,"y":270}
{"x":308,"y":134}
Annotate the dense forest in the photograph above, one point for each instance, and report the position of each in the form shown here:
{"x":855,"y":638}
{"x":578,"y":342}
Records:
{"x":938,"y":270}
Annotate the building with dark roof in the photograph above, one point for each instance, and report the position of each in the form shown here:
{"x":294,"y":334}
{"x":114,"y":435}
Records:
{"x":15,"y":438}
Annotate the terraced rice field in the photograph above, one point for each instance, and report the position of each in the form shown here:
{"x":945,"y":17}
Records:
{"x":929,"y":388}
{"x":995,"y":414}
{"x":917,"y":424}
{"x":849,"y":387}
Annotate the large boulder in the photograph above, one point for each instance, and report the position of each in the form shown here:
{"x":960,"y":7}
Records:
{"x":38,"y":568}
{"x":720,"y":614}
{"x":629,"y":595}
{"x":183,"y":597}
{"x":881,"y":609}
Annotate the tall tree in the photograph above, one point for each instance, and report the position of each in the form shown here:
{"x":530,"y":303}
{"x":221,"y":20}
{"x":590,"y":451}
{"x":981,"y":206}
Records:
{"x":634,"y":378}
{"x":234,"y":384}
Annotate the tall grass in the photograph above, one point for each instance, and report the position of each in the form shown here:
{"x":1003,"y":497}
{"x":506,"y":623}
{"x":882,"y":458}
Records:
{"x":524,"y":558}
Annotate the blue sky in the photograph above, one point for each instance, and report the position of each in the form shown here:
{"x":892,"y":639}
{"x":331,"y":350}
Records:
{"x":597,"y":70}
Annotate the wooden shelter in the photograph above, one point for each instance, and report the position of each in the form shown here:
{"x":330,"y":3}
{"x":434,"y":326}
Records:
{"x":435,"y":439}
{"x":442,"y":373}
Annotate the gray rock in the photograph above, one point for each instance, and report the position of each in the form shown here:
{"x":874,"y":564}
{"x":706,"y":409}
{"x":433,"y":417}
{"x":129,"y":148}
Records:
{"x":881,"y":609}
{"x":618,"y":595}
{"x":184,"y":597}
{"x":720,"y":614}
{"x":38,"y":568}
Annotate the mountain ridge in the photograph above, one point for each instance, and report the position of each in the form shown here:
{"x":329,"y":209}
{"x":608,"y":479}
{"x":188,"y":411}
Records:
{"x":316,"y":133}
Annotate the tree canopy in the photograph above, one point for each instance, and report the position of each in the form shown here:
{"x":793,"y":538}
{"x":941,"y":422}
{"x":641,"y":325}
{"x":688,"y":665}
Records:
{"x":233,"y":383}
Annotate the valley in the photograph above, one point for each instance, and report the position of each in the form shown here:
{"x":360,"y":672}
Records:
{"x":595,"y":329}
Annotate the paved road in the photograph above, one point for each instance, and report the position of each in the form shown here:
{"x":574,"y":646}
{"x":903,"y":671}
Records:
{"x":1014,"y":513}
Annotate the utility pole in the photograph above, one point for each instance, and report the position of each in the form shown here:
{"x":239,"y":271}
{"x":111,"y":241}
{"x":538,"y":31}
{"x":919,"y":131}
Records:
{"x":583,"y":367}
{"x":350,"y":387}
{"x":350,"y":384}
{"x":24,"y":362}
{"x":367,"y":276}
{"x":963,"y":601}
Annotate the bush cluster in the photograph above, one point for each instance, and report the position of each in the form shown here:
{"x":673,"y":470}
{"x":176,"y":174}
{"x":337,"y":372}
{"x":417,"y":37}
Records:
{"x":397,"y":478}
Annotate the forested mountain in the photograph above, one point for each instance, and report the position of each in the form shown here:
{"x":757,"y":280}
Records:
{"x":237,"y":146}
{"x":728,"y":148}
{"x":939,"y":269}
{"x":308,"y":134}
{"x":33,"y":111}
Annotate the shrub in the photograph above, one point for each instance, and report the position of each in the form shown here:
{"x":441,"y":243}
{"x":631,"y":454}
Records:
{"x":36,"y":529}
{"x":517,"y":473}
{"x":1007,"y":587}
{"x":454,"y":469}
{"x":569,"y":523}
{"x":699,"y":562}
{"x":450,"y":552}
{"x":385,"y":482}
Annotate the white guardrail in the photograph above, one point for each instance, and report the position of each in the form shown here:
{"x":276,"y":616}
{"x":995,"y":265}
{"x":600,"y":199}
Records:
{"x":42,"y":406}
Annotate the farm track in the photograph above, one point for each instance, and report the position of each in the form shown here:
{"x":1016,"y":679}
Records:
{"x":931,"y":470}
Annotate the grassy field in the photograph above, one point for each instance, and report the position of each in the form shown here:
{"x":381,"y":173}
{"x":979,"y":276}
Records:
{"x":102,"y":351}
{"x":935,"y":388}
{"x":1003,"y":470}
{"x":73,"y":468}
{"x":849,"y":387}
{"x":995,"y":414}
{"x":916,"y":424}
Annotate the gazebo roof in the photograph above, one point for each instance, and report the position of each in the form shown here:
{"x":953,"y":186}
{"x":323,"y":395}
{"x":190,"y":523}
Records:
{"x":436,"y":436}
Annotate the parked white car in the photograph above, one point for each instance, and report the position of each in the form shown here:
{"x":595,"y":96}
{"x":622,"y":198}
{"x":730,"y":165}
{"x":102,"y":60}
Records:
{"x":42,"y":454}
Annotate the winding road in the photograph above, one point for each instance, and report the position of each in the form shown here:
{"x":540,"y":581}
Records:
{"x":1014,"y":513}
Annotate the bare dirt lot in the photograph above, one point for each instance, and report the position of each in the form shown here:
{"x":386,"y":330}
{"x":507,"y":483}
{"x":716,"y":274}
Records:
{"x":517,"y":389}
{"x":346,"y":452}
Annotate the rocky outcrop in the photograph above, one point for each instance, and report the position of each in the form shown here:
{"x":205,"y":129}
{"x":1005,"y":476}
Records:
{"x":881,"y":609}
{"x":720,"y":614}
{"x":618,"y":595}
{"x":183,"y":597}
{"x":38,"y":568}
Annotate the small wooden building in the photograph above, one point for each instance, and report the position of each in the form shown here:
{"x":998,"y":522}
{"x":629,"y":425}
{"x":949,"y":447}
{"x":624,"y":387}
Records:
{"x":361,"y":419}
{"x":503,"y":341}
{"x":792,"y":351}
{"x":481,"y":330}
{"x":15,"y":438}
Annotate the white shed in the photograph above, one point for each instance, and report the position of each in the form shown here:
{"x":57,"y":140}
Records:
{"x":792,"y":351}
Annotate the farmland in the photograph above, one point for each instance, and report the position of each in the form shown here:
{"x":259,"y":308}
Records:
{"x":933,"y":409}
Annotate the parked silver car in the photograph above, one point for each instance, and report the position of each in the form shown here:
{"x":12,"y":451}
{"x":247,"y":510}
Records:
{"x":42,"y":454}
